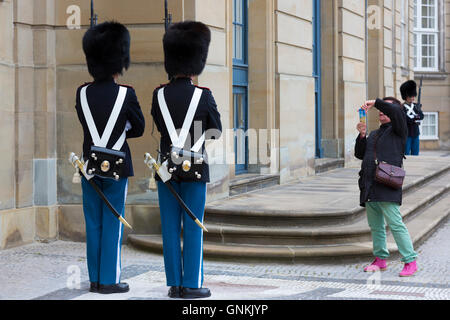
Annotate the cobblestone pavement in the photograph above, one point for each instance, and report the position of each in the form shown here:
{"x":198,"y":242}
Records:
{"x":58,"y":270}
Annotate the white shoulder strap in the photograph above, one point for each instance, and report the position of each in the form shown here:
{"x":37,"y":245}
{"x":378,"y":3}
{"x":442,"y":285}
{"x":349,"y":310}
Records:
{"x":166,"y":116}
{"x":410,"y":110}
{"x":88,"y":117}
{"x":103,"y":141}
{"x":178,"y":141}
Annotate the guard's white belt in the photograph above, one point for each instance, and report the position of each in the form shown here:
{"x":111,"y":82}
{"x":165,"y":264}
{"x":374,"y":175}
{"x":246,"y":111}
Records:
{"x":179,"y":141}
{"x":104,"y":139}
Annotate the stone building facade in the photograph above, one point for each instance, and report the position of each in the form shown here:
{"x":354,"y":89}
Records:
{"x":274,"y":67}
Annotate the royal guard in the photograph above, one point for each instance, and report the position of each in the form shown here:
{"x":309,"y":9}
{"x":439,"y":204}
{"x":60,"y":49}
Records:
{"x":186,"y":115}
{"x":414,"y":115}
{"x":109,"y":114}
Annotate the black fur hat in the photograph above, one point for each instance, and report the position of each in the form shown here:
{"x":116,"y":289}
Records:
{"x":107,"y":49}
{"x":186,"y":46}
{"x":408,"y":89}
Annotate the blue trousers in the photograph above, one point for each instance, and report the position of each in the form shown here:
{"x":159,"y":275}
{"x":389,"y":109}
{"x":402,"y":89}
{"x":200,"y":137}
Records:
{"x":103,"y":229}
{"x":412,"y":146}
{"x":182,"y":269}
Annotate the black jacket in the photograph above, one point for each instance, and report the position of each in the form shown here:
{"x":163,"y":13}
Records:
{"x":101,"y":96}
{"x":390,"y":141}
{"x":178,"y":94}
{"x":413,"y":126}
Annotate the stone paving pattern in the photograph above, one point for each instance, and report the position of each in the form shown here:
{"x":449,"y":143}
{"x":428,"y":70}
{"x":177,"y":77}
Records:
{"x":44,"y":271}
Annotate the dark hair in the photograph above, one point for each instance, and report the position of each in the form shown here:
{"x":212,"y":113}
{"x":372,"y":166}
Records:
{"x":394,"y":100}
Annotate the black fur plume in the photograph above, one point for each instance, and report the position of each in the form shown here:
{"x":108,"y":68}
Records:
{"x":408,"y":89}
{"x":107,"y":49}
{"x":186,"y":46}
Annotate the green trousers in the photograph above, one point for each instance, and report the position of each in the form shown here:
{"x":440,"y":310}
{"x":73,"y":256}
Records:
{"x":377,"y":213}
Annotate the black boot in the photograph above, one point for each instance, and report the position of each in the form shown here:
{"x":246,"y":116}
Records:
{"x":194,"y":293}
{"x":114,"y":288}
{"x":175,"y":292}
{"x":94,"y":287}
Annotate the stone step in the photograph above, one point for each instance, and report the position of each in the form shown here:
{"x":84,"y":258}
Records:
{"x":251,"y":182}
{"x":327,"y":164}
{"x":323,"y":235}
{"x":327,"y":199}
{"x":420,"y":227}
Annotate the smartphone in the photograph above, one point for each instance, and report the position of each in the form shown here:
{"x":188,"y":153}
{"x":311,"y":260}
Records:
{"x":362,"y":115}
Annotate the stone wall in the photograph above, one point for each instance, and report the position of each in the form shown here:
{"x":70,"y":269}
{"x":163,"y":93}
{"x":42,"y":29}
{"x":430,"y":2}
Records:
{"x":352,"y":70}
{"x":42,"y":64}
{"x":294,"y":88}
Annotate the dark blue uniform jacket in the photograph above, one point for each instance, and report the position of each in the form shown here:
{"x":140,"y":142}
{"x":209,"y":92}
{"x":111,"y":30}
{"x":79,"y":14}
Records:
{"x":101,"y":97}
{"x":178,"y":94}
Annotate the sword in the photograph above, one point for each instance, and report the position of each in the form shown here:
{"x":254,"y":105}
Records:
{"x":75,"y":161}
{"x":165,"y":177}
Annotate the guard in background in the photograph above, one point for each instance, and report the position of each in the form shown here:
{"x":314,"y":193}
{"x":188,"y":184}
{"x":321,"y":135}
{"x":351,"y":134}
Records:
{"x":414,"y":115}
{"x":182,"y":105}
{"x":109,"y":114}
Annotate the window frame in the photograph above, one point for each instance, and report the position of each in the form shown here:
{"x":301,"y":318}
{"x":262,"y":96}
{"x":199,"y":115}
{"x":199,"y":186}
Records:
{"x":419,"y":31}
{"x":244,"y":40}
{"x":436,"y":135}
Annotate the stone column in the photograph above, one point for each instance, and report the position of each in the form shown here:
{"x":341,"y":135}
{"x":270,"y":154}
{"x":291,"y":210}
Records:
{"x":331,"y":142}
{"x":45,"y":169}
{"x":262,"y":86}
{"x":295,"y":112}
{"x":352,"y":71}
{"x":7,"y":107}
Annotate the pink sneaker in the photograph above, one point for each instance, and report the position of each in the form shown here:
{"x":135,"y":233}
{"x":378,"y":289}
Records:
{"x":409,"y":269}
{"x":377,"y":265}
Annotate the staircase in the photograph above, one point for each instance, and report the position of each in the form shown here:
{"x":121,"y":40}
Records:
{"x":318,"y":217}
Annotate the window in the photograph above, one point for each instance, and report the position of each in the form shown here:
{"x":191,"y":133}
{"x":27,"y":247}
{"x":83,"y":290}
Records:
{"x":240,"y":31}
{"x":429,"y":130}
{"x":426,"y":35}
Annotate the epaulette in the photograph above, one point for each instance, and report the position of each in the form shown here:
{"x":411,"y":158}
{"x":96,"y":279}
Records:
{"x":203,"y":88}
{"x":161,"y":85}
{"x":85,"y":84}
{"x":126,"y":85}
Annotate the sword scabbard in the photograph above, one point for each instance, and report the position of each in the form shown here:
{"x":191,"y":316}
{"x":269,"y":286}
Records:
{"x":125,"y":223}
{"x":201,"y":225}
{"x":78,"y":164}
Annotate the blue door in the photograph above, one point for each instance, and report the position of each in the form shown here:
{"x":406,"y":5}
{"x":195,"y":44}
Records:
{"x":240,"y":83}
{"x":317,"y":74}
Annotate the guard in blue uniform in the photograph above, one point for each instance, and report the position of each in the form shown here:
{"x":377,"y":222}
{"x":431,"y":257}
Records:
{"x":414,"y":116}
{"x":182,"y":105}
{"x":98,"y":105}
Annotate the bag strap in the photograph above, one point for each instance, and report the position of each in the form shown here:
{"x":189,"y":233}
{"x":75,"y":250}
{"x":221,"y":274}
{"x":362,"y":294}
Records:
{"x":375,"y":149}
{"x":104,"y":139}
{"x":179,"y":141}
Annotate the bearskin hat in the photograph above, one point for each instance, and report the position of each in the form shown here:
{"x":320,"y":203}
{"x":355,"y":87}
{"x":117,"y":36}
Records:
{"x":186,"y":46}
{"x":408,"y":89}
{"x":107,"y":49}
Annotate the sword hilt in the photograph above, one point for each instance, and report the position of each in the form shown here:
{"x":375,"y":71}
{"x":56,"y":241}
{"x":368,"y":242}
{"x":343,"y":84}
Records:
{"x":75,"y":161}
